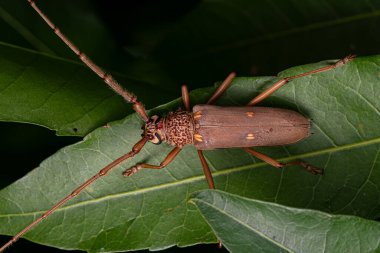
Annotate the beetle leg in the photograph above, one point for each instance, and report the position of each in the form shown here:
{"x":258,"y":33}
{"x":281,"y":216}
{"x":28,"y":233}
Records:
{"x":275,"y":163}
{"x":210,"y":180}
{"x":185,"y":97}
{"x":170,"y":157}
{"x":135,"y":150}
{"x":285,"y":80}
{"x":222,"y":88}
{"x":206,"y":170}
{"x":310,"y":168}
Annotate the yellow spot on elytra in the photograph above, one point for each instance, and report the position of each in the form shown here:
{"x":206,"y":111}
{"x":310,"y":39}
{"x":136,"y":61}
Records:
{"x":198,"y":137}
{"x":197,"y":115}
{"x":250,"y":137}
{"x":249,"y":114}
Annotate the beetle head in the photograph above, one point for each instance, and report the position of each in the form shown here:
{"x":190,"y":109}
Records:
{"x":153,"y":130}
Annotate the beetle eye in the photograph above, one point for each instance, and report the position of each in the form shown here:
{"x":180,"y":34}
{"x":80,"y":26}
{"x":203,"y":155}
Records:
{"x":158,"y":138}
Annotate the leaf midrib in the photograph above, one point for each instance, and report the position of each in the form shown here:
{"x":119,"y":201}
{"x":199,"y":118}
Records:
{"x":243,"y":224}
{"x":201,"y":177}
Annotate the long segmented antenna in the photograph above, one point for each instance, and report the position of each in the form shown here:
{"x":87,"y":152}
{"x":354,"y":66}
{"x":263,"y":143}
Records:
{"x":113,"y":84}
{"x":107,"y":78}
{"x":136,"y":149}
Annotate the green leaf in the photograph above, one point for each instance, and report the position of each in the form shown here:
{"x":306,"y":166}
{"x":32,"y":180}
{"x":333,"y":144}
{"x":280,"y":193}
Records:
{"x":89,"y":25}
{"x":23,"y":27}
{"x":254,"y":37}
{"x":247,"y":225}
{"x":213,"y":39}
{"x":208,"y":39}
{"x":150,"y":209}
{"x":59,"y":94}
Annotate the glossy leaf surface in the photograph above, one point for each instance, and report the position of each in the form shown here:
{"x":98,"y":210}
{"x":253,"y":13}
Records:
{"x":246,"y":225}
{"x":59,"y":94}
{"x":151,"y":209}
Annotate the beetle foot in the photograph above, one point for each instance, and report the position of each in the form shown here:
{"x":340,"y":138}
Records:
{"x":313,"y":170}
{"x":310,"y":168}
{"x":132,"y":170}
{"x":345,"y":60}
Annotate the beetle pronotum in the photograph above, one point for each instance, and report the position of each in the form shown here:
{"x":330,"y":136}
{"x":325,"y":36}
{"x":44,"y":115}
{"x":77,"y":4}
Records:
{"x":204,"y":126}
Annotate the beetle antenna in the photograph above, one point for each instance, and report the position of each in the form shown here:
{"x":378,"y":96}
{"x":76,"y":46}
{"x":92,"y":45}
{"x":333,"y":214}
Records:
{"x":107,"y":78}
{"x":135,"y":150}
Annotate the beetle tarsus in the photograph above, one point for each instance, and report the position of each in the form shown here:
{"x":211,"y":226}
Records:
{"x":310,"y":168}
{"x":345,"y":60}
{"x":129,"y":172}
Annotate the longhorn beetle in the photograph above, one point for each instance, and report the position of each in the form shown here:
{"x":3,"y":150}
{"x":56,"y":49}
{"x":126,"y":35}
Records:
{"x":204,"y":126}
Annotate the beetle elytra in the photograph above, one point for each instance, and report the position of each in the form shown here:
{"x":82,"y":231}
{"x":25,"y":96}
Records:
{"x":204,"y":126}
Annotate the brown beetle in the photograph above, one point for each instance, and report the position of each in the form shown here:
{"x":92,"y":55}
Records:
{"x":205,"y":126}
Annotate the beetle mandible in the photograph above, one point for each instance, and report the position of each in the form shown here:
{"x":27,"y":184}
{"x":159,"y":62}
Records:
{"x":204,"y":126}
